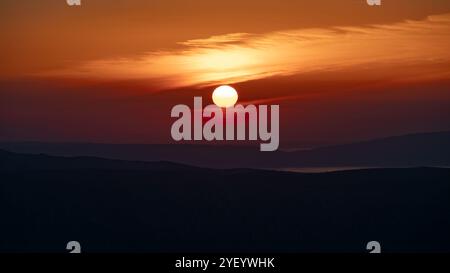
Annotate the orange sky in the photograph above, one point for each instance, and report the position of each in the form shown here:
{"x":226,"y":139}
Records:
{"x":109,"y":71}
{"x":47,"y":34}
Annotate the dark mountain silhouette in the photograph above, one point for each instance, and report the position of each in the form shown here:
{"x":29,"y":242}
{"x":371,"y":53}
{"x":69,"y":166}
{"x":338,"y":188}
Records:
{"x":25,"y":162}
{"x":122,"y":206}
{"x":426,"y":149}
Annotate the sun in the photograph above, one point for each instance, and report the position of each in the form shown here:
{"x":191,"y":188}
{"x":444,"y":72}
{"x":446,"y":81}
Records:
{"x":225,"y":96}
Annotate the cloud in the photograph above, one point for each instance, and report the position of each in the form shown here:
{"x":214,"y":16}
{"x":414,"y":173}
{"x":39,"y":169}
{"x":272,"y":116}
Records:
{"x":240,"y":57}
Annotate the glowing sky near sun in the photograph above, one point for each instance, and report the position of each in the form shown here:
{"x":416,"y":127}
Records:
{"x":110,"y":71}
{"x":240,"y":57}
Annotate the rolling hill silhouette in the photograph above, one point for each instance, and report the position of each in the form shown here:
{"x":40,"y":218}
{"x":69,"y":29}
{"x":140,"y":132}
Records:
{"x":27,"y":162}
{"x":426,"y":149}
{"x":123,"y":206}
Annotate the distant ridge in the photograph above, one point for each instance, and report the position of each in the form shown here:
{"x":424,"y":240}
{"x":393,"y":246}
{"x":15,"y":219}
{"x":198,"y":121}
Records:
{"x":421,"y":149}
{"x":22,"y":162}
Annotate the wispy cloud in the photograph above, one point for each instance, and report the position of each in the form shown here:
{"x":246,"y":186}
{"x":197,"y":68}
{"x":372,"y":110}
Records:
{"x":239,"y":57}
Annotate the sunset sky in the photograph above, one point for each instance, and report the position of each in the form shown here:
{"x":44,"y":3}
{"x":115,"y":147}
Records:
{"x":110,"y":71}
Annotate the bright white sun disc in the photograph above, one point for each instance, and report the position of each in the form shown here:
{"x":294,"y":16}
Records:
{"x":225,"y":96}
